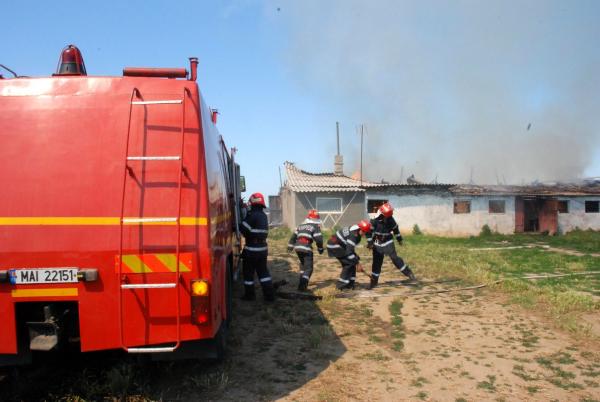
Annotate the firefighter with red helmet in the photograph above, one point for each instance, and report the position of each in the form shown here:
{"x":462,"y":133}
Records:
{"x":301,"y":242}
{"x":255,"y":228}
{"x":381,"y":239}
{"x":341,"y":246}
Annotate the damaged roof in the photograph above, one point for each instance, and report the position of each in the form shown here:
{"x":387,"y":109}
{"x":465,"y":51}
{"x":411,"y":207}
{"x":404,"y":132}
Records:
{"x":301,"y":181}
{"x":559,"y":189}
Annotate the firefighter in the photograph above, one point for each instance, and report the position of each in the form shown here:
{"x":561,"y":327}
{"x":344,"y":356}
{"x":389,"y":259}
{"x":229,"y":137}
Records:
{"x":381,"y":239}
{"x":255,"y":228}
{"x":341,"y":246}
{"x":301,"y":242}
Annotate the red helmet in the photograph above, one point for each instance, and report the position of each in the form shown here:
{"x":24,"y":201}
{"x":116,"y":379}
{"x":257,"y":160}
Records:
{"x":257,"y":199}
{"x":313,"y":214}
{"x":386,"y":210}
{"x":364,"y":226}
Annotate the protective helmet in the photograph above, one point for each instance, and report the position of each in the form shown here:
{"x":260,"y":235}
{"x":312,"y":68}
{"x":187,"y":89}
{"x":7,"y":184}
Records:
{"x":386,"y":210}
{"x":257,"y":199}
{"x":313,"y":214}
{"x":364,"y":226}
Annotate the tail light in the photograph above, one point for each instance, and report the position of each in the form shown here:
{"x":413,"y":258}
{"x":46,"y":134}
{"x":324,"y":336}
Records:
{"x":200,"y":291}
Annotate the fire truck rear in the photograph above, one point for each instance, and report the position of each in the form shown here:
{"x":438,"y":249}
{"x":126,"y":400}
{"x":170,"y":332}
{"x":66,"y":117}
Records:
{"x":118,"y":214}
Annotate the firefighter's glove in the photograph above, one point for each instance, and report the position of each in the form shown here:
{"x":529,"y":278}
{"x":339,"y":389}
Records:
{"x":320,"y":250}
{"x":399,"y":238}
{"x":370,"y":245}
{"x":290,"y":248}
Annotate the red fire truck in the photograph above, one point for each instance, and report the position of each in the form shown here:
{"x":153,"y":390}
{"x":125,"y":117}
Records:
{"x":118,"y":214}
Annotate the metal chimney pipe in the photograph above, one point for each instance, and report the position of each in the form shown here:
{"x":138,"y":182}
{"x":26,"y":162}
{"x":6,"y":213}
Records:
{"x":338,"y":161}
{"x":337,"y":130}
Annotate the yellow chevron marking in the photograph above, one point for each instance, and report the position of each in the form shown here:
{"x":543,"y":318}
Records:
{"x":135,"y":264}
{"x":170,"y":261}
{"x":49,"y":292}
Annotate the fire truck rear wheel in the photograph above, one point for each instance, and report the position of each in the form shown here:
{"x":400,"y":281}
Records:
{"x":220,"y":343}
{"x":229,"y":293}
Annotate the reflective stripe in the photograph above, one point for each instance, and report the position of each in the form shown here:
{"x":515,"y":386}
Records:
{"x":290,"y":245}
{"x":301,"y":272}
{"x":305,"y":276}
{"x":265,"y":248}
{"x":334,"y":246}
{"x":254,"y":230}
{"x":339,"y":236}
{"x":302,"y":248}
{"x":305,"y":235}
{"x":318,"y":235}
{"x":351,"y":257}
{"x":343,"y":280}
{"x":353,"y":278}
{"x":265,"y":279}
{"x":248,"y":282}
{"x":374,"y":274}
{"x":403,"y":268}
{"x":351,"y":242}
{"x":384,"y":244}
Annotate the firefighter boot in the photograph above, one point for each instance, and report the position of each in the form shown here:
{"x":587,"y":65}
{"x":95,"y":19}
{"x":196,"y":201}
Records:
{"x":268,"y":292}
{"x":302,"y":284}
{"x":408,"y":272}
{"x":374,"y":280}
{"x":249,"y":294}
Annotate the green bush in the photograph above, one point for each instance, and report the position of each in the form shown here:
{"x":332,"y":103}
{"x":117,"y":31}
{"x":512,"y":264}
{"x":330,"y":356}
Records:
{"x":417,"y":230}
{"x":485,"y":231}
{"x":282,"y":232}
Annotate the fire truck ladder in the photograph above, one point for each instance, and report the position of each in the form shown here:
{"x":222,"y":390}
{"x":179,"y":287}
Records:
{"x":136,"y":100}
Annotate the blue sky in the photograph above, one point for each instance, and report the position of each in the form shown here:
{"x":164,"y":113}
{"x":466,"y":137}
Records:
{"x":282,"y":72}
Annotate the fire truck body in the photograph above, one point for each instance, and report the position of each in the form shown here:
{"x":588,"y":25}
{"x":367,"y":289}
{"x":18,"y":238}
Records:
{"x":108,"y":182}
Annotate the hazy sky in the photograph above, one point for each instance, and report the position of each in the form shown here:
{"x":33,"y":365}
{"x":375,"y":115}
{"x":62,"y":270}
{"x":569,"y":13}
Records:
{"x":507,"y":90}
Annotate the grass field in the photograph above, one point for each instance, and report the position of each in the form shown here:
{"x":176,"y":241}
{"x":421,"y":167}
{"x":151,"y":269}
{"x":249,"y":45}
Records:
{"x":515,"y":339}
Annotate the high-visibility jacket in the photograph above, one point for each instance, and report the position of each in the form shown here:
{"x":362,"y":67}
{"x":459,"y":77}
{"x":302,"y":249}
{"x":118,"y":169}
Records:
{"x":304,"y":236}
{"x":343,"y":242}
{"x":255,"y":228}
{"x":383,"y":231}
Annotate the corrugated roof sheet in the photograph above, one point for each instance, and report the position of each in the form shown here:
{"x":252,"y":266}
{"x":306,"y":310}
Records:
{"x":301,"y":181}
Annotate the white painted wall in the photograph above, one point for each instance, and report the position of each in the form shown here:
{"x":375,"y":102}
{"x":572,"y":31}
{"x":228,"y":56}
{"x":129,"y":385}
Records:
{"x":577,"y":217}
{"x":435,"y":214}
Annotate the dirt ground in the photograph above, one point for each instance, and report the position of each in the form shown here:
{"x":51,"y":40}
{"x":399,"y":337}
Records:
{"x":459,"y":346}
{"x":395,"y":343}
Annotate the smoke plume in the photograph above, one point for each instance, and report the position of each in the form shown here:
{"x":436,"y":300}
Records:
{"x":502,"y":91}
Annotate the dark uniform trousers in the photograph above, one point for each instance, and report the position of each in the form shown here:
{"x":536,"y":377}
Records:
{"x":256,"y":261}
{"x":390,"y":250}
{"x":306,"y":262}
{"x":347,"y":277}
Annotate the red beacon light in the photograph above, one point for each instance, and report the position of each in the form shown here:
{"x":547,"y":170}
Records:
{"x":71,"y":62}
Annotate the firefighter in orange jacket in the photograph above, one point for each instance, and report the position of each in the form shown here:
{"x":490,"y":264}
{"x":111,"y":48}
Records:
{"x":341,"y":246}
{"x":381,"y":239}
{"x":255,"y":228}
{"x":301,"y":242}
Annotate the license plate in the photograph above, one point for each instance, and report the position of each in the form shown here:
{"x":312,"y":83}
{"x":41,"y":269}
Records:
{"x":27,"y":276}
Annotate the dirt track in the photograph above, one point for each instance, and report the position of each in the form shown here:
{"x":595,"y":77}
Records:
{"x":443,"y":347}
{"x":464,"y":346}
